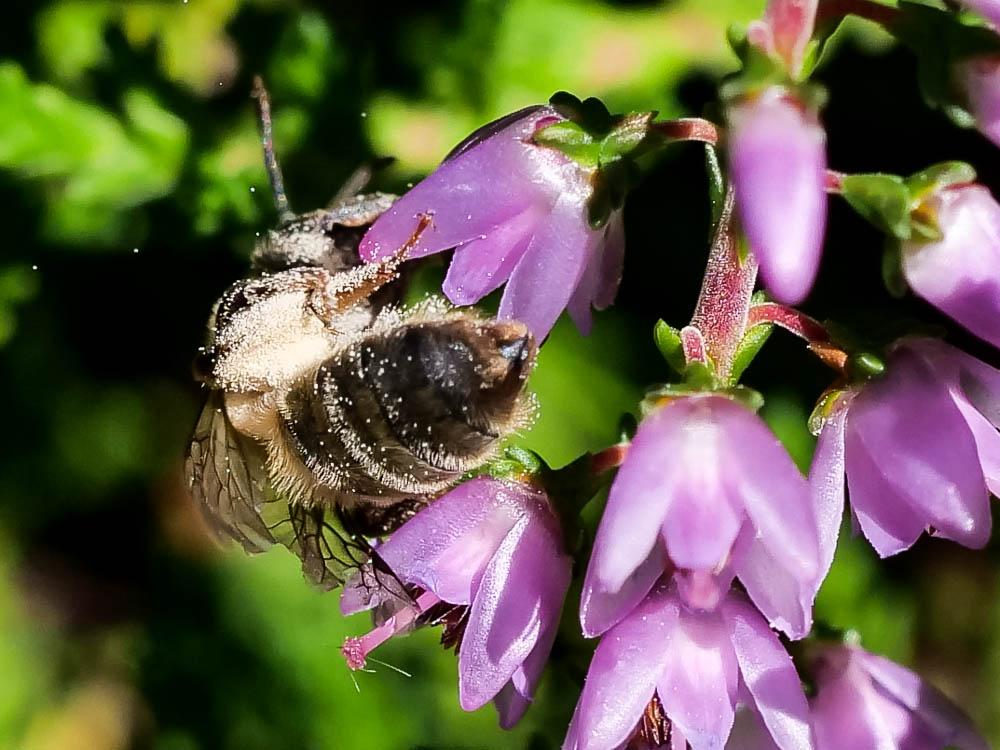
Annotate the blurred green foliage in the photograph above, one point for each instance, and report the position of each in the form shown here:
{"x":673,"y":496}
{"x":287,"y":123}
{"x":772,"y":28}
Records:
{"x":132,"y":190}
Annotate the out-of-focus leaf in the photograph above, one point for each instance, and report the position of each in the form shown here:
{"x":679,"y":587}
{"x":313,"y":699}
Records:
{"x":95,"y":166}
{"x":71,"y":37}
{"x":191,"y":40}
{"x":306,"y":57}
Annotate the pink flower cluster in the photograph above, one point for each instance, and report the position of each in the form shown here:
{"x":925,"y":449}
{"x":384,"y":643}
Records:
{"x":713,"y":545}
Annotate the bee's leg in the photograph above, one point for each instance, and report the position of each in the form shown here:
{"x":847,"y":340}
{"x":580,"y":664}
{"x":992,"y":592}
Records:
{"x":347,"y":289}
{"x":357,"y":182}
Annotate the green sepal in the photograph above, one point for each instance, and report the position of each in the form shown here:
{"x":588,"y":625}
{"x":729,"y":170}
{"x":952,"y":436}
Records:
{"x":590,"y":113}
{"x":628,"y":138}
{"x":572,"y":140}
{"x":514,"y":463}
{"x":758,"y":72}
{"x":938,"y":176}
{"x":750,"y":345}
{"x":668,"y":341}
{"x":883,"y":199}
{"x":822,"y":411}
{"x":892,"y":268}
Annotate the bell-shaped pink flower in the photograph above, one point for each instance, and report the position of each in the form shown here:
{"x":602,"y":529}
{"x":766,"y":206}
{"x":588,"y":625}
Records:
{"x":920,"y":448}
{"x":866,"y":701}
{"x":708,"y":488}
{"x":988,"y":9}
{"x":785,"y":31}
{"x":495,"y":547}
{"x":700,"y":665}
{"x":515,"y":212}
{"x":979,"y":80}
{"x":960,"y":273}
{"x":777,"y":158}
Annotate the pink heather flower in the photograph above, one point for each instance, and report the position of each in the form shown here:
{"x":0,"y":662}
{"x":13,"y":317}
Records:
{"x":496,"y":548}
{"x":515,"y":212}
{"x":708,"y":488}
{"x":785,"y":31}
{"x":867,"y":701}
{"x":960,"y":273}
{"x":988,"y":9}
{"x":979,"y":79}
{"x":700,"y":666}
{"x":777,"y":155}
{"x":920,"y":448}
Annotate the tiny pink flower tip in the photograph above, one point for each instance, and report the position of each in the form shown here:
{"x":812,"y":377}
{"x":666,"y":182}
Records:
{"x":354,"y":653}
{"x":777,"y":153}
{"x":791,"y":23}
{"x":960,"y":273}
{"x":864,"y":700}
{"x":979,"y":79}
{"x":913,"y":470}
{"x":516,"y":213}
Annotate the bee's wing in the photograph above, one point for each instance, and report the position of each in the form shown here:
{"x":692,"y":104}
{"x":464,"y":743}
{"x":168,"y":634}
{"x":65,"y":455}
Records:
{"x":228,"y":480}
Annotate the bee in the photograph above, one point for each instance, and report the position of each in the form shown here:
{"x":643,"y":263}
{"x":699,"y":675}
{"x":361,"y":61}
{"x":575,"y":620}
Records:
{"x":333,"y":413}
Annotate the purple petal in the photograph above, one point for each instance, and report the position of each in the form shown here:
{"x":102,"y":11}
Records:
{"x":516,"y":696}
{"x":784,"y":600}
{"x":520,"y":597}
{"x":847,"y":712}
{"x":601,"y":608}
{"x":704,"y":515}
{"x":446,"y":546}
{"x":482,"y":265}
{"x":919,"y":441}
{"x":769,"y":675}
{"x":698,"y":685}
{"x":826,"y":479}
{"x":637,"y":502}
{"x":960,"y":273}
{"x":472,"y":193}
{"x":546,"y":276}
{"x":623,"y":674}
{"x":884,"y":516}
{"x":987,"y":444}
{"x":581,"y":300}
{"x":778,"y":162}
{"x":772,"y":490}
{"x":951,"y":725}
{"x":612,"y":261}
{"x":980,"y":79}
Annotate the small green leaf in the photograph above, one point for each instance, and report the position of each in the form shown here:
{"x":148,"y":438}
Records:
{"x":748,"y":348}
{"x":883,"y":199}
{"x":938,"y":176}
{"x":626,"y":137}
{"x":716,"y":184}
{"x":864,"y":366}
{"x":572,"y":140}
{"x":668,"y":341}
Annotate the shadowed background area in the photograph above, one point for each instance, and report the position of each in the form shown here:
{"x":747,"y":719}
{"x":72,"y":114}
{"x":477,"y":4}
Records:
{"x":131,"y":192}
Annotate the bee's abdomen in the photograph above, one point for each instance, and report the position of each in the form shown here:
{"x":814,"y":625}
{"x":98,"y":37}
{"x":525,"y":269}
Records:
{"x":410,"y":410}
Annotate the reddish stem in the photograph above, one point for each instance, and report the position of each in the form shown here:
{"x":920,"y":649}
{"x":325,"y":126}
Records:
{"x":688,"y":129}
{"x":609,"y":458}
{"x":809,"y":329}
{"x":790,"y":319}
{"x":834,"y":10}
{"x":721,"y":312}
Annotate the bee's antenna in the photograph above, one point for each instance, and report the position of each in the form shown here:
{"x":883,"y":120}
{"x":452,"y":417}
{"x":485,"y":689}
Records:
{"x":285,"y":213}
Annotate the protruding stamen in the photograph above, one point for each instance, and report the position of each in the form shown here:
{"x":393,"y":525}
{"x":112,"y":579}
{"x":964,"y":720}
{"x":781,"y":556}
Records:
{"x":356,"y":649}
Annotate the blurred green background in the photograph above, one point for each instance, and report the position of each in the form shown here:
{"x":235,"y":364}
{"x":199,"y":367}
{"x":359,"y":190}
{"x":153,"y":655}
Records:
{"x":131,"y":191}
